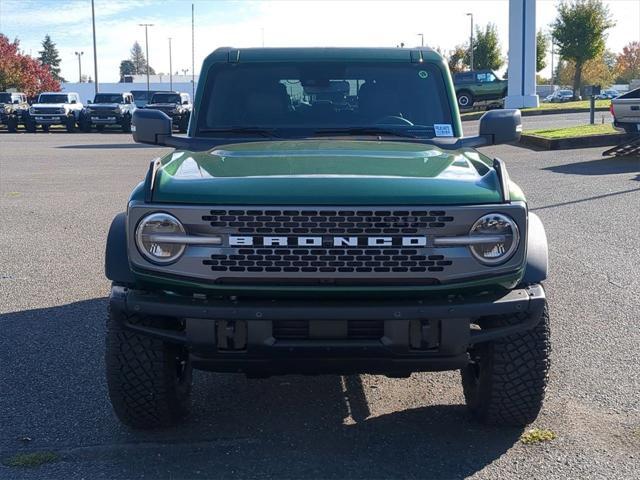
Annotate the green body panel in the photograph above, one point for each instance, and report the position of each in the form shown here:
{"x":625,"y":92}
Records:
{"x":325,"y":172}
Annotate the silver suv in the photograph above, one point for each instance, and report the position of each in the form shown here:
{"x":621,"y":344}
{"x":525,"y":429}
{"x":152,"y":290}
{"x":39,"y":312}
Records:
{"x":55,"y":108}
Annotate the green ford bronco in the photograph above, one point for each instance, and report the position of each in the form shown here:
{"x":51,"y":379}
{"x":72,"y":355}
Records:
{"x":326,"y":215}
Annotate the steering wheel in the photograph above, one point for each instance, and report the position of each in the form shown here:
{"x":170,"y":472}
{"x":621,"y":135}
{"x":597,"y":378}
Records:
{"x":393,"y":120}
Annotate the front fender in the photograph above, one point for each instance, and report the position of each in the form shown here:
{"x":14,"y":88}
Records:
{"x":116,"y":260}
{"x":537,"y":267}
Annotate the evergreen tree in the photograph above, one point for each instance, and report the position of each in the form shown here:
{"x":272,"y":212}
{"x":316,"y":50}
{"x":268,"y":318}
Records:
{"x":139,"y":61}
{"x":49,"y":57}
{"x":542,"y":45}
{"x":126,"y":68}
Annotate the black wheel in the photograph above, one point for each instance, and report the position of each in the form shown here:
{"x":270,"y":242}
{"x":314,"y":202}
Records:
{"x":100,"y":128}
{"x":71,"y":124}
{"x":184,"y":124}
{"x":506,"y":380}
{"x":126,"y":124}
{"x":465,"y":100}
{"x":149,"y":380}
{"x":85,"y":125}
{"x":631,"y":129}
{"x":12,"y":124}
{"x":45,"y":128}
{"x":30,"y":125}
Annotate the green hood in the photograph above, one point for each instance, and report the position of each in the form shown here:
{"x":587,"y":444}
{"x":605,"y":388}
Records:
{"x":326,"y":172}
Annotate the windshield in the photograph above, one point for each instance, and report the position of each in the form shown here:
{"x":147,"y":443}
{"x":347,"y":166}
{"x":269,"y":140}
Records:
{"x":5,"y":97}
{"x":53,"y":98}
{"x":140,"y":95}
{"x":566,"y":92}
{"x":165,"y":98}
{"x":108,"y":98}
{"x":398,"y":97}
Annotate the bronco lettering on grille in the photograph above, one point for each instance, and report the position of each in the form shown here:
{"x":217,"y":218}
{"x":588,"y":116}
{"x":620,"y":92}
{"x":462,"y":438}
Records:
{"x":245,"y":241}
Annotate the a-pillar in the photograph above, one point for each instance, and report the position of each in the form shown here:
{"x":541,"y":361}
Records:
{"x":522,"y":55}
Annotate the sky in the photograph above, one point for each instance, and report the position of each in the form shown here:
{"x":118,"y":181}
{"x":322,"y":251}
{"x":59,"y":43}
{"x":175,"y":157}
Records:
{"x":249,"y":23}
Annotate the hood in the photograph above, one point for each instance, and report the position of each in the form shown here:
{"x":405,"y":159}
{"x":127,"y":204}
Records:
{"x":164,"y":105}
{"x":50,"y":105}
{"x":103,"y":105}
{"x":326,"y":172}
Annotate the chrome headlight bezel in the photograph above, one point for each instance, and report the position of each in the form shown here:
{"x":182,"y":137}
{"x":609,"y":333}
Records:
{"x":514,"y":238}
{"x":159,"y":218}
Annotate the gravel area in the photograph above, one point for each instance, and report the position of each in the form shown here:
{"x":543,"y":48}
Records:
{"x":58,"y":194}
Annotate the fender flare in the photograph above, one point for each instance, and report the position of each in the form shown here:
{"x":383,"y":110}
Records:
{"x":116,"y":260}
{"x":537,"y":267}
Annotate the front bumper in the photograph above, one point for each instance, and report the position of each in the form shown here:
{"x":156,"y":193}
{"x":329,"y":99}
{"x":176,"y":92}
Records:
{"x":105,"y":119}
{"x":265,"y":337}
{"x":50,"y":119}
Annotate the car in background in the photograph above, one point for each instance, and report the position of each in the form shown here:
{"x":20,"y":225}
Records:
{"x":13,"y":109}
{"x":478,"y":85}
{"x":560,"y":96}
{"x":55,"y":108}
{"x":142,"y":97}
{"x":608,"y":94}
{"x":625,"y":110}
{"x":108,"y":109}
{"x":176,"y":105}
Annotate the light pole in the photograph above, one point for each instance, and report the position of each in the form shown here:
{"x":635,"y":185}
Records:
{"x":471,"y":42}
{"x":170,"y":67}
{"x":146,"y":40}
{"x":184,"y":71}
{"x":79,"y":55}
{"x":95,"y":52}
{"x":421,"y":35}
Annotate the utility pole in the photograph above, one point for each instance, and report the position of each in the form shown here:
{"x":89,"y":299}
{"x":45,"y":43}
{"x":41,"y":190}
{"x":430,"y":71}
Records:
{"x":95,"y":52}
{"x":79,"y":55}
{"x":193,"y":55}
{"x":146,"y":40}
{"x":421,"y":35}
{"x":170,"y":67}
{"x":471,"y":42}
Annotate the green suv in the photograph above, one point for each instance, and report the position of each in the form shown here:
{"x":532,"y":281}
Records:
{"x":479,"y":85}
{"x":317,"y":218}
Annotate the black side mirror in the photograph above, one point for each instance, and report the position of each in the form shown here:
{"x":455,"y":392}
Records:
{"x":74,"y":101}
{"x":185,"y":102}
{"x":16,"y":101}
{"x":150,"y":126}
{"x":501,"y":126}
{"x":89,"y":102}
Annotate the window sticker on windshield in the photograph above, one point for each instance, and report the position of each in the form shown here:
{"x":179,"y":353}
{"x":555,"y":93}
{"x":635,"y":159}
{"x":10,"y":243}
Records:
{"x":423,"y":74}
{"x":443,"y":130}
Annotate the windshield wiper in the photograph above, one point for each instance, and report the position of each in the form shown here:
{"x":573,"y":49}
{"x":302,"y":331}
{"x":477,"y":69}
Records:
{"x":263,"y":132}
{"x":363,"y":131}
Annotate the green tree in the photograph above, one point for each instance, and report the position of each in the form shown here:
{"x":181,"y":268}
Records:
{"x":486,"y":49}
{"x":580,"y":32}
{"x":542,"y":46}
{"x":126,"y":68}
{"x":50,"y":57}
{"x":457,"y":57}
{"x":139,"y":61}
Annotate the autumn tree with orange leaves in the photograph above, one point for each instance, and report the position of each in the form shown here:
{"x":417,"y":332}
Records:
{"x":22,"y":72}
{"x":628,"y":63}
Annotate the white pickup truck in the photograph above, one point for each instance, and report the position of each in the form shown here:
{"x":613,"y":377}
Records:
{"x":626,"y":111}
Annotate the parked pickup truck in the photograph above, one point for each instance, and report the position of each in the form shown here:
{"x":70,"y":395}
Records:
{"x":109,"y":109}
{"x":55,"y":108}
{"x":626,"y":111}
{"x":13,"y":109}
{"x":292,"y":232}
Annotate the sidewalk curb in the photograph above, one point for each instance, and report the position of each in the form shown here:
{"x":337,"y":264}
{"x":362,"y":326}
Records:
{"x":534,"y":113}
{"x":589,"y":141}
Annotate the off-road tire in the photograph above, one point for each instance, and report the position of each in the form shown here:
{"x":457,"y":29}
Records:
{"x":30,"y":125}
{"x":149,"y":381}
{"x":126,"y":124}
{"x":465,"y":99}
{"x":12,"y":124}
{"x":506,"y":381}
{"x":85,"y":125}
{"x":71,"y":124}
{"x":631,"y":129}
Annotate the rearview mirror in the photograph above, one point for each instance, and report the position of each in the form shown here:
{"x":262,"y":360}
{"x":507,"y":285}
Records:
{"x":501,"y":126}
{"x":150,"y":126}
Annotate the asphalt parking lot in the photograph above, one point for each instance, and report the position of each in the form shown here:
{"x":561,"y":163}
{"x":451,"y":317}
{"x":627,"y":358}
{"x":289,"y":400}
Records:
{"x":58,"y":194}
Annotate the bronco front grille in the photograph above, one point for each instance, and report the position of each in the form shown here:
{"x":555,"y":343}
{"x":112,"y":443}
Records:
{"x":46,"y":110}
{"x":308,"y":222}
{"x":310,"y":260}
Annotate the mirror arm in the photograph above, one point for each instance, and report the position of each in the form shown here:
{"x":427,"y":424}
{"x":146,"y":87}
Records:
{"x":503,"y":177}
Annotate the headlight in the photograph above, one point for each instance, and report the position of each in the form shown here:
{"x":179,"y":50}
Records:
{"x":32,"y":110}
{"x":504,"y":241}
{"x":88,"y":110}
{"x":153,"y":238}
